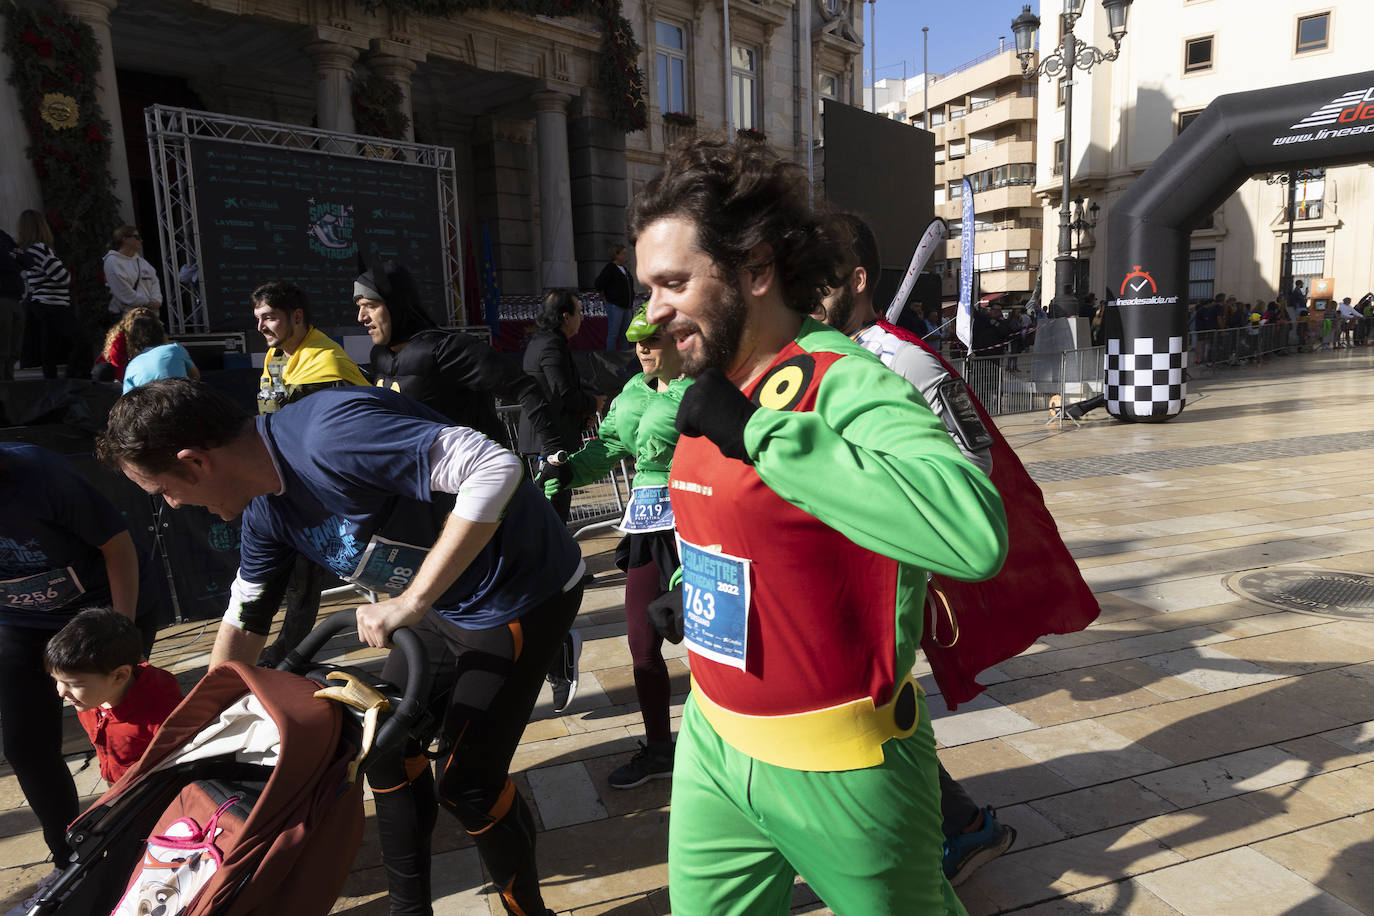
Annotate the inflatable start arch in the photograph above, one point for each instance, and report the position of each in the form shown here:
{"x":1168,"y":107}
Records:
{"x":1324,"y":122}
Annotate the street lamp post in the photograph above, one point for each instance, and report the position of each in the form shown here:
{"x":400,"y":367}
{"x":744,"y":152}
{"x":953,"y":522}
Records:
{"x":1080,"y":225}
{"x":1070,"y":54}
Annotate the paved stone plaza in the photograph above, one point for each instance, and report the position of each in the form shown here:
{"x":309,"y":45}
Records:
{"x":1192,"y":752}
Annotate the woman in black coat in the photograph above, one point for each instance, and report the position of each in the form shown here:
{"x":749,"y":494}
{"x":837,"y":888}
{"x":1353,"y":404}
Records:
{"x":548,"y":360}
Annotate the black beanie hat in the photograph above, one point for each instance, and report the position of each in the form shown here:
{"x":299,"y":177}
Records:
{"x":391,"y":283}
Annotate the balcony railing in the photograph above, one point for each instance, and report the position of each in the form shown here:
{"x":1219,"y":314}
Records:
{"x":981,"y":58}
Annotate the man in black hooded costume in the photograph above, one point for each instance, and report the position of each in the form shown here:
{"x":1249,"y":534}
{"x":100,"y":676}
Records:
{"x":448,"y":371}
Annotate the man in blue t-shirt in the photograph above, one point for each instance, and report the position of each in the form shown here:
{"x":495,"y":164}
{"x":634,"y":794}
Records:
{"x":380,"y":490}
{"x":63,"y":547}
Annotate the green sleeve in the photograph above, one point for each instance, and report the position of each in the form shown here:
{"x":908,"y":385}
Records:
{"x":874,"y":463}
{"x":614,"y":438}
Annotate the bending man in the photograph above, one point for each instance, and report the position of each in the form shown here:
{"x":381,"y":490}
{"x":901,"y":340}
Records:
{"x":382,"y":492}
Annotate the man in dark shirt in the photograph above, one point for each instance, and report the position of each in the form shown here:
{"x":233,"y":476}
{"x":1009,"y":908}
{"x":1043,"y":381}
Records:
{"x":1297,"y":299}
{"x":1208,"y":321}
{"x":618,"y":290}
{"x":63,"y":547}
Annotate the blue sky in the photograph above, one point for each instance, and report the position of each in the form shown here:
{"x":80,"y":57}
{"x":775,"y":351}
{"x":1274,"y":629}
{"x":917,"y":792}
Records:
{"x":959,"y":32}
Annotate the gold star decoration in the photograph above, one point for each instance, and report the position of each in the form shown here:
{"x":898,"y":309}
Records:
{"x":59,"y":110}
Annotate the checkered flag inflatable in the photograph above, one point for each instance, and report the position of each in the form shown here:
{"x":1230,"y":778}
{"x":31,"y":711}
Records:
{"x":1146,"y":382}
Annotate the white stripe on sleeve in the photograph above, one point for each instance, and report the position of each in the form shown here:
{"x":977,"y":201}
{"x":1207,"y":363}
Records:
{"x":481,"y":473}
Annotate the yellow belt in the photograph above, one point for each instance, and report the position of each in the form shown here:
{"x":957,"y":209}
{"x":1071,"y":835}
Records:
{"x":849,"y":736}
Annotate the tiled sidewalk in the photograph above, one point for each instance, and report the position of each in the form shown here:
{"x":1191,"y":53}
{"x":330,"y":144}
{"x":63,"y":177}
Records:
{"x":1192,"y":752}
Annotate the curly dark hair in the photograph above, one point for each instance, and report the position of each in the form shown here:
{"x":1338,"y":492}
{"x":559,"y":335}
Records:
{"x":144,"y":331}
{"x":151,"y":423}
{"x":742,"y":195}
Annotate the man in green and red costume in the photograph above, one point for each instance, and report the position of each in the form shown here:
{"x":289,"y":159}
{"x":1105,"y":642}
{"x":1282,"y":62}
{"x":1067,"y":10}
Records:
{"x":813,"y":491}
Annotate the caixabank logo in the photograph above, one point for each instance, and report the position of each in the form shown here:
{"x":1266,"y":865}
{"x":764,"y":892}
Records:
{"x":1344,"y":116}
{"x":1134,"y":286}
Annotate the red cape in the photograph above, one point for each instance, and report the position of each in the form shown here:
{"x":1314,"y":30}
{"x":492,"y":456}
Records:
{"x":1038,"y":591}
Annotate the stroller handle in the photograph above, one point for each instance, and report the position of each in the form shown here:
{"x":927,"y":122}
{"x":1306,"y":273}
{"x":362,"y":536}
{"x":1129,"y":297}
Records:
{"x":407,"y":711}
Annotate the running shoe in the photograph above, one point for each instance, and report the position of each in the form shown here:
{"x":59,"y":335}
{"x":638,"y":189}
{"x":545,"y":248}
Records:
{"x":649,"y":762}
{"x":965,"y":853}
{"x":563,"y":677}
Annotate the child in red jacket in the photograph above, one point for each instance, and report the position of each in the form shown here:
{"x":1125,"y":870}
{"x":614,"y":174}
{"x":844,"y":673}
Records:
{"x":120,"y":700}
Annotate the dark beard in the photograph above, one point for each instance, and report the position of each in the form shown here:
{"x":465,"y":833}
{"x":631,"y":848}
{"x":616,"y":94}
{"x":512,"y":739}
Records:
{"x":838,"y":313}
{"x":720,"y":346}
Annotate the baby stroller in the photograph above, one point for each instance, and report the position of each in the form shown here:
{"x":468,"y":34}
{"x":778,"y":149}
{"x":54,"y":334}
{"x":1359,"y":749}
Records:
{"x":249,"y":800}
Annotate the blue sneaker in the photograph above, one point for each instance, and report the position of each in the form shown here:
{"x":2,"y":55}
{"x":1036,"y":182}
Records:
{"x":965,"y":853}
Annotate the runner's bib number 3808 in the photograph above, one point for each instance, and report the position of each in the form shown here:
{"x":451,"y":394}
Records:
{"x":388,"y":566}
{"x":715,"y":603}
{"x":45,"y":591}
{"x":650,"y":509}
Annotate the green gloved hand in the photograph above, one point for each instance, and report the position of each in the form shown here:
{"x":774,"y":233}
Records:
{"x":554,"y":478}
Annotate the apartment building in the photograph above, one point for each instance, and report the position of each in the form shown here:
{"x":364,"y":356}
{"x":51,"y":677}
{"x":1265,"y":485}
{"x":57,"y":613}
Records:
{"x":1177,"y":57}
{"x":983,"y":115}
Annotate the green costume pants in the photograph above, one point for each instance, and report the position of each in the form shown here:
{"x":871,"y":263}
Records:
{"x":868,"y":842}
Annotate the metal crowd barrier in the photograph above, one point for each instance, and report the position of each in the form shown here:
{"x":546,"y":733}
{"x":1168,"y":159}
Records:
{"x":1234,"y":346}
{"x":598,"y":505}
{"x":1023,"y":382}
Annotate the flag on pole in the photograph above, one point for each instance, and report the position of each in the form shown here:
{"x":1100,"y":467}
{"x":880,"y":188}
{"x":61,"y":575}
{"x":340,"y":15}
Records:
{"x":472,"y":283}
{"x":963,"y":323}
{"x":935,"y":233}
{"x":491,"y":290}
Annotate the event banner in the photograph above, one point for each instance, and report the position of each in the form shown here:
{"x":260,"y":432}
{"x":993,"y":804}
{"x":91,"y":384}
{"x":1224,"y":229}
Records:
{"x":963,"y":323}
{"x":274,"y":213}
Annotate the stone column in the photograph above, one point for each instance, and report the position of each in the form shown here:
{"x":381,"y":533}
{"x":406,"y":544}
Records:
{"x":19,"y":189}
{"x":395,"y":61}
{"x":96,"y":14}
{"x":504,"y":198}
{"x":599,"y":188}
{"x":334,"y":59}
{"x":557,"y":263}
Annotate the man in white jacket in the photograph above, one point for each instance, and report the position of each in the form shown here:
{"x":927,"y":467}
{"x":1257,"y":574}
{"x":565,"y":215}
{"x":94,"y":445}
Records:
{"x":131,"y":279}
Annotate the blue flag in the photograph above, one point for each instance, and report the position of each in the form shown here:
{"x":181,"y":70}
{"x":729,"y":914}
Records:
{"x":491,"y":290}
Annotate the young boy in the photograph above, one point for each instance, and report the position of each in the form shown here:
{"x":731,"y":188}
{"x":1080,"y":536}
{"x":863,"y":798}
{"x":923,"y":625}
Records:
{"x":120,"y":700}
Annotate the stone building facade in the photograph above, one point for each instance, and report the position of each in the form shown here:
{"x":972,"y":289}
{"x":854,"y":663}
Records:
{"x":540,"y":158}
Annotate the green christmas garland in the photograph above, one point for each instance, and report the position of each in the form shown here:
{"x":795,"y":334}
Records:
{"x":618,"y":77}
{"x":377,"y":107}
{"x":55,"y":64}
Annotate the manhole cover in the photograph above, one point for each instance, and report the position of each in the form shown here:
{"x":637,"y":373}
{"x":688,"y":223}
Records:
{"x":1329,"y":592}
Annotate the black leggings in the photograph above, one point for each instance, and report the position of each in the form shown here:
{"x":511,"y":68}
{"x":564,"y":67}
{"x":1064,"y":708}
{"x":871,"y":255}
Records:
{"x":31,"y":718}
{"x":485,"y":683}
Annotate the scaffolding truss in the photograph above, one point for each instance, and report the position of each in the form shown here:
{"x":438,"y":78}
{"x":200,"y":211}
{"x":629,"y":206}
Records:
{"x":173,"y":131}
